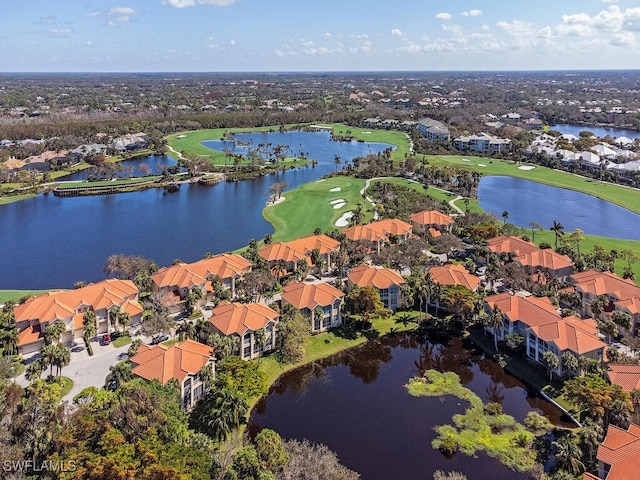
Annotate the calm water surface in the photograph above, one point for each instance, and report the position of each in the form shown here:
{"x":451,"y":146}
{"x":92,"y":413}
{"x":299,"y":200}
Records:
{"x":52,"y":242}
{"x":600,"y":132}
{"x":132,"y":168}
{"x":528,"y":201}
{"x":356,"y":403}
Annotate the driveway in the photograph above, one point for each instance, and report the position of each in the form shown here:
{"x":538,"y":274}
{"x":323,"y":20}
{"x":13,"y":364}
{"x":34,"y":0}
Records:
{"x":86,"y":371}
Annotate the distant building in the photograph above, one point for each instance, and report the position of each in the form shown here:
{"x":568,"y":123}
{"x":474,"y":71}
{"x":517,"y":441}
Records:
{"x":308,"y":297}
{"x":380,"y":232}
{"x":619,"y":454}
{"x":388,"y":283}
{"x":433,"y":130}
{"x":483,"y":143}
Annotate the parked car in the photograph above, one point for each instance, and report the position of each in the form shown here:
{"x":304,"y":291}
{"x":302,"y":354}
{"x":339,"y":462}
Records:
{"x":106,"y":339}
{"x":163,"y":337}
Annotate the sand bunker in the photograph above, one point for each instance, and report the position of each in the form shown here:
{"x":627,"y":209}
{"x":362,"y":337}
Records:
{"x":466,"y":160}
{"x":339,"y":200}
{"x":526,"y":167}
{"x":343,"y":221}
{"x":335,"y":189}
{"x":338,"y":206}
{"x":365,"y":133}
{"x":321,"y":180}
{"x":481,"y":165}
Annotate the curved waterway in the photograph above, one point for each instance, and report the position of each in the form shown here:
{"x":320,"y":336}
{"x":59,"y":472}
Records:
{"x":356,"y":403}
{"x":599,"y":132}
{"x":528,"y":201}
{"x":52,"y":242}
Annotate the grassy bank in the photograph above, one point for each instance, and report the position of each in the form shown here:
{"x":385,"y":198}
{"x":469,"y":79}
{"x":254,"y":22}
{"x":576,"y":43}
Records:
{"x":15,"y":198}
{"x":623,"y":196}
{"x":15,"y":295}
{"x":394,"y":137}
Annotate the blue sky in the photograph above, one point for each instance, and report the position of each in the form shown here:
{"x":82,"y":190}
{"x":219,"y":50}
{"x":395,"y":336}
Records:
{"x":317,"y":35}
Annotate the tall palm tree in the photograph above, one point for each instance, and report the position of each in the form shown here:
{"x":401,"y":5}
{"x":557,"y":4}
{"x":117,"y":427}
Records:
{"x":48,"y":357}
{"x":53,"y":331}
{"x":568,"y":454}
{"x":552,"y":361}
{"x":119,"y":373}
{"x":496,"y":321}
{"x":569,"y":361}
{"x":558,"y":229}
{"x":62,"y":358}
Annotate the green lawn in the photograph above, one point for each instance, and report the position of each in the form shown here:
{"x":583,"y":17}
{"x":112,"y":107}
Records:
{"x":126,"y":181}
{"x":15,"y":198}
{"x":66,"y":384}
{"x":6,"y":295}
{"x":623,"y":196}
{"x":394,"y":137}
{"x":121,"y":341}
{"x":307,"y":207}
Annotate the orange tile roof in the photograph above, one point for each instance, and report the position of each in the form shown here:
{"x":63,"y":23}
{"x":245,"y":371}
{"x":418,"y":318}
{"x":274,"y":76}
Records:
{"x":431,"y":217}
{"x":601,"y":283}
{"x":29,"y":335}
{"x":450,"y":274}
{"x":378,"y":231}
{"x":238,"y":318}
{"x":163,"y":363}
{"x":570,"y":333}
{"x":311,"y":295}
{"x":621,"y":449}
{"x":544,"y":258}
{"x":512,"y":245}
{"x":589,"y":476}
{"x":627,"y":376}
{"x":375,"y":276}
{"x":178,"y":275}
{"x":64,"y":304}
{"x":298,"y":249}
{"x":530,"y":310}
{"x":189,"y":275}
{"x":434,"y":232}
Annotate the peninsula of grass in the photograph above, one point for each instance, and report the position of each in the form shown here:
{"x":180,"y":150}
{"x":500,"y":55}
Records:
{"x":108,"y":183}
{"x":308,"y":207}
{"x":394,"y":137}
{"x":15,"y":198}
{"x":624,"y":196}
{"x":480,"y":428}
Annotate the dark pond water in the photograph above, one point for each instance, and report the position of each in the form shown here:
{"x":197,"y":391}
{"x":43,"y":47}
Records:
{"x":52,"y":242}
{"x":600,"y":132}
{"x":136,"y":167}
{"x":356,"y":403}
{"x":528,"y":201}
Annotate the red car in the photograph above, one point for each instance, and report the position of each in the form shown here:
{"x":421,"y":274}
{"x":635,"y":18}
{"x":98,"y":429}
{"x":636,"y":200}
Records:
{"x":106,"y":339}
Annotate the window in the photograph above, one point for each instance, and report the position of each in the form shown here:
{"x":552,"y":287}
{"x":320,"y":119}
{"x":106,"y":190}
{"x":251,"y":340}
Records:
{"x":326,"y":322}
{"x":247,"y":352}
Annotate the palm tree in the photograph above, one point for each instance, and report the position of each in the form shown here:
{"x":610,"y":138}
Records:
{"x":48,"y":356}
{"x":89,"y":321}
{"x":576,"y":237}
{"x":552,"y":361}
{"x":224,"y":412}
{"x":568,"y":454}
{"x":496,"y":321}
{"x":53,"y":332}
{"x":336,"y":161}
{"x":119,"y":373}
{"x":569,"y":361}
{"x":62,"y":358}
{"x":558,"y":229}
{"x":34,"y":370}
{"x":505,"y":216}
{"x":187,"y":329}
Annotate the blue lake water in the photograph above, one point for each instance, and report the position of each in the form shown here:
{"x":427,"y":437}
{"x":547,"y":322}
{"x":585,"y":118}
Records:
{"x":600,"y":132}
{"x":528,"y":201}
{"x":136,"y":167}
{"x":52,"y":242}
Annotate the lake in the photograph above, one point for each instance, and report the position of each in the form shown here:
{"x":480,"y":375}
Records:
{"x":356,"y":403}
{"x":52,"y":242}
{"x":136,"y":167}
{"x":528,"y":201}
{"x":600,"y":132}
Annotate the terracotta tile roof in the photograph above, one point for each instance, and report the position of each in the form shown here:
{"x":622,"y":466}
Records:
{"x":238,"y":318}
{"x":632,"y":305}
{"x":544,"y":258}
{"x":570,"y":333}
{"x":431,"y":217}
{"x":512,"y":245}
{"x":530,"y":310}
{"x":621,"y":449}
{"x":64,"y":304}
{"x":379,"y":277}
{"x":434,"y":232}
{"x":163,"y":363}
{"x":601,"y":283}
{"x":178,"y":275}
{"x":589,"y":476}
{"x":298,"y":249}
{"x":378,"y":231}
{"x":450,"y":274}
{"x":29,"y":335}
{"x":627,"y":376}
{"x":132,"y":307}
{"x":311,"y":295}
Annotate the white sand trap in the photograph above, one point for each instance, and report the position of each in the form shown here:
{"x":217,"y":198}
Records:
{"x":365,"y":133}
{"x":526,"y":167}
{"x":335,"y":189}
{"x":338,"y":206}
{"x":343,"y":221}
{"x":481,"y":165}
{"x":339,"y":200}
{"x":466,"y":160}
{"x":321,"y":180}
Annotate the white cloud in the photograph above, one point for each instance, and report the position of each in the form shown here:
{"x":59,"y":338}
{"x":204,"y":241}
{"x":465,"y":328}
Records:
{"x":359,"y":35}
{"x":396,"y":32}
{"x":88,"y":43}
{"x":193,"y":3}
{"x":60,"y":32}
{"x":115,"y":16}
{"x":232,"y":42}
{"x":307,"y":43}
{"x":443,"y":16}
{"x":609,"y":1}
{"x":625,"y":39}
{"x":472,"y":13}
{"x":122,"y":11}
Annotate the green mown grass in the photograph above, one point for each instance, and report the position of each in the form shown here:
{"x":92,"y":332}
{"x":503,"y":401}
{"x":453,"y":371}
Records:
{"x":6,"y":295}
{"x":15,"y":198}
{"x":121,"y":341}
{"x":623,"y":196}
{"x":105,"y":183}
{"x":393,"y":137}
{"x":307,"y":207}
{"x":66,"y":384}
